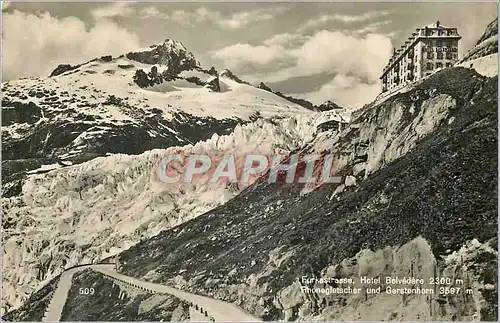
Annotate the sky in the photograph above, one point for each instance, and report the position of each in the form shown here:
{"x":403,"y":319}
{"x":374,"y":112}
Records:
{"x":316,"y":51}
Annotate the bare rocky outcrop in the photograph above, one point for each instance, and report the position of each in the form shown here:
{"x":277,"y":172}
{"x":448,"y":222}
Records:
{"x":328,"y":105}
{"x":230,"y":75}
{"x":263,"y":86}
{"x":213,"y":84}
{"x":60,"y":69}
{"x":212,"y":71}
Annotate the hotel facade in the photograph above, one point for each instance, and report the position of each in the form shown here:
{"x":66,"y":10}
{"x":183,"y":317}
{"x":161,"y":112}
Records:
{"x":430,"y":48}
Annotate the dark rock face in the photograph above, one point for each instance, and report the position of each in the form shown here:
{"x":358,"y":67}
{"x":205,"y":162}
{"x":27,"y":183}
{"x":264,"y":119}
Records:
{"x":327,"y":106}
{"x":17,"y":112}
{"x":142,"y":79}
{"x":444,"y":190}
{"x":195,"y":80}
{"x":171,"y":53}
{"x":263,"y":86}
{"x":62,"y":69}
{"x":106,"y":58}
{"x":214,"y":84}
{"x":212,"y":71}
{"x":125,"y":66}
{"x":106,"y":305}
{"x":306,"y":104}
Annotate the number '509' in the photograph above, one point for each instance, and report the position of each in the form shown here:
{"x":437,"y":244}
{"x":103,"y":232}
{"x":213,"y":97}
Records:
{"x":86,"y":291}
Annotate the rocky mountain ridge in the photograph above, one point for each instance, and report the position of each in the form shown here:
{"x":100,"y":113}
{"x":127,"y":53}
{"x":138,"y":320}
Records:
{"x":326,"y":106}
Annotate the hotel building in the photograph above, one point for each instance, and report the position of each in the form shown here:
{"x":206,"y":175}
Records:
{"x":428,"y":49}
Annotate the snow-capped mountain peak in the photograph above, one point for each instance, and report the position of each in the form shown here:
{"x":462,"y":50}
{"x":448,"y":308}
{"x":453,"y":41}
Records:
{"x":170,"y":53}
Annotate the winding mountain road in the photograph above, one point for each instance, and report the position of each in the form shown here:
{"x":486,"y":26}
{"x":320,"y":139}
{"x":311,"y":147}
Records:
{"x":54,"y":310}
{"x":218,"y":310}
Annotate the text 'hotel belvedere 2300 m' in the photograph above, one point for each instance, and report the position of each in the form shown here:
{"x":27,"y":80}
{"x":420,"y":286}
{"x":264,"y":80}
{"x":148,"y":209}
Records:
{"x":428,"y":49}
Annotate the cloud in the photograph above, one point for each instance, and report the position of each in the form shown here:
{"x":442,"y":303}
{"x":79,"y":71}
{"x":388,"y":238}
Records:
{"x":152,"y":12}
{"x":117,"y":9}
{"x":234,"y":55}
{"x":244,"y":19}
{"x":373,"y":27}
{"x":358,"y":59}
{"x":47,"y":41}
{"x":324,"y":52}
{"x":323,"y":19}
{"x":234,"y":21}
{"x":346,"y":91}
{"x":286,"y":40}
{"x":193,"y":18}
{"x":335,"y":51}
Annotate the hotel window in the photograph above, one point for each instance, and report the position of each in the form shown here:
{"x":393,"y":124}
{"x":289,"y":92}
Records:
{"x":439,"y":65}
{"x":439,"y":43}
{"x":430,"y":55}
{"x":448,"y":64}
{"x":440,"y":55}
{"x":429,"y":66}
{"x":449,"y":55}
